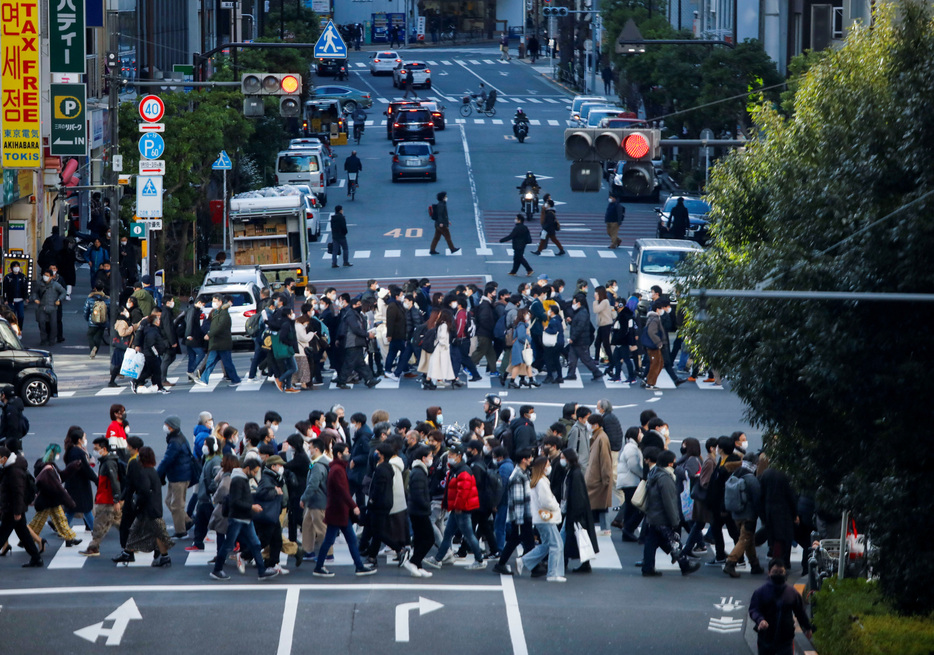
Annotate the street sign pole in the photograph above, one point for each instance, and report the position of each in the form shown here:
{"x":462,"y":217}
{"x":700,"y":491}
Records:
{"x":225,"y":212}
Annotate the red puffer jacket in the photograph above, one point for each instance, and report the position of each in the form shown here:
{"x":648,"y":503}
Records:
{"x":462,"y":490}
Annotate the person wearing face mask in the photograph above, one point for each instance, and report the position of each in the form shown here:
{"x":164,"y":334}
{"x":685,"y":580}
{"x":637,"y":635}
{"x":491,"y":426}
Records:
{"x":124,"y":329}
{"x":202,"y":431}
{"x":353,"y":330}
{"x":576,"y":508}
{"x":220,"y":343}
{"x":270,"y":496}
{"x":16,"y":290}
{"x":284,"y":348}
{"x":13,"y":424}
{"x":663,"y":519}
{"x":413,"y":319}
{"x":490,"y":493}
{"x":78,"y":483}
{"x":51,"y":502}
{"x":741,"y":498}
{"x":653,"y":339}
{"x":177,"y":466}
{"x":546,"y":517}
{"x":419,"y":508}
{"x":313,"y":501}
{"x":462,"y":499}
{"x":523,"y":430}
{"x":106,"y":501}
{"x":773,"y":610}
{"x":152,"y":345}
{"x":13,"y":504}
{"x":207,"y":486}
{"x":727,"y":464}
{"x":599,"y":474}
{"x":171,"y":338}
{"x":129,"y":262}
{"x":47,"y":295}
{"x":579,"y":339}
{"x":740,"y":442}
{"x":96,"y":312}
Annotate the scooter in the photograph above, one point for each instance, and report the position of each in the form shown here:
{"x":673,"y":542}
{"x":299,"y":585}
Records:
{"x":521,"y":130}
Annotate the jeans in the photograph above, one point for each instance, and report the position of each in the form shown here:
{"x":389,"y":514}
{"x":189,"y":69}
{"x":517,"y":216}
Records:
{"x":19,"y":308}
{"x":396,"y":346}
{"x":460,"y":358}
{"x":551,"y":546}
{"x":459,"y":521}
{"x":338,"y":246}
{"x":224,"y":357}
{"x":403,"y":366}
{"x":289,"y":367}
{"x":258,"y":355}
{"x":695,"y":537}
{"x":243,"y":531}
{"x":518,"y":534}
{"x":195,"y":357}
{"x":88,"y":519}
{"x":499,"y":527}
{"x":349,"y":535}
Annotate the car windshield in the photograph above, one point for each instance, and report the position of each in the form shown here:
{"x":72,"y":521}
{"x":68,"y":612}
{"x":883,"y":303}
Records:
{"x":237,"y":298}
{"x":662,"y":262}
{"x":413,"y":150}
{"x":386,"y":55}
{"x":694,"y":205}
{"x":413,"y":117}
{"x":298,"y":164}
{"x":9,"y":338}
{"x":415,"y":66}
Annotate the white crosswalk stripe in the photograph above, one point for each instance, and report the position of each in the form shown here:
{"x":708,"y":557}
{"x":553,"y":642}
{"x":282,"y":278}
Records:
{"x":431,"y":63}
{"x":474,"y":62}
{"x":360,"y":64}
{"x":497,"y":121}
{"x":459,"y":62}
{"x":534,"y":121}
{"x":535,"y":101}
{"x":488,"y":61}
{"x":553,"y":123}
{"x":551,"y":100}
{"x":445,"y":63}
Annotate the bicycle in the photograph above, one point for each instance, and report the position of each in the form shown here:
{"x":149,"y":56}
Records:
{"x":471,"y":102}
{"x":357,"y":133}
{"x":352,"y":184}
{"x":450,"y":34}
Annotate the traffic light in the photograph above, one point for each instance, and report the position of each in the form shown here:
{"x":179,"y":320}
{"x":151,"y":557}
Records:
{"x":636,"y":147}
{"x":271,"y":84}
{"x":554,"y":11}
{"x":290,"y":106}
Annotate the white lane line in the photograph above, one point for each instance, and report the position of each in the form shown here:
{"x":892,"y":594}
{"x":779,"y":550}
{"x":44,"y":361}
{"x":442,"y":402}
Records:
{"x":606,"y":255}
{"x":392,"y":253}
{"x":576,"y":383}
{"x":473,"y":189}
{"x":484,"y":251}
{"x":607,"y":557}
{"x":553,"y":122}
{"x":145,"y":563}
{"x":498,"y":92}
{"x":368,"y":123}
{"x":513,"y":617}
{"x":287,"y":631}
{"x":361,"y":254}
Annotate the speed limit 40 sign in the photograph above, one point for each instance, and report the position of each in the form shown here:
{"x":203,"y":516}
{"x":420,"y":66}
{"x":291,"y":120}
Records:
{"x":151,"y":109}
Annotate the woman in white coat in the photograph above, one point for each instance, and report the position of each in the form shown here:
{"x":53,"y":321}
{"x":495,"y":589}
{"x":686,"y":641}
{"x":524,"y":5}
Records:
{"x":628,"y":476}
{"x":546,"y":517}
{"x":439,"y":367}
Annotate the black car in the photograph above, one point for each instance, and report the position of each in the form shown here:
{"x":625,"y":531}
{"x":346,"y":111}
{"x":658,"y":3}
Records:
{"x":413,"y":125}
{"x":330,"y":66}
{"x":393,"y":109}
{"x":698,"y":210}
{"x":28,"y":370}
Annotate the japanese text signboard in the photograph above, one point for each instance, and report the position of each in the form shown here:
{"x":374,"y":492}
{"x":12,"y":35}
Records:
{"x":68,"y":131}
{"x":66,"y":36}
{"x":20,"y":119}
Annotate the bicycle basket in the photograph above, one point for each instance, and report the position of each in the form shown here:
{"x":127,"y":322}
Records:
{"x":466,"y":100}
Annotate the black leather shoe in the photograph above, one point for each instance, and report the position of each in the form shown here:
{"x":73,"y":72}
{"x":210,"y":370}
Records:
{"x":34,"y":563}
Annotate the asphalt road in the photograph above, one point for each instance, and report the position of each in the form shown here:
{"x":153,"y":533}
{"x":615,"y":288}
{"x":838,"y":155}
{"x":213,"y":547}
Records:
{"x":180,"y":610}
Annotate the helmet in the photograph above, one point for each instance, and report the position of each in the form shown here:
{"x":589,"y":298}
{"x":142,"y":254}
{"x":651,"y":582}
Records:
{"x":518,"y":110}
{"x":493,"y":399}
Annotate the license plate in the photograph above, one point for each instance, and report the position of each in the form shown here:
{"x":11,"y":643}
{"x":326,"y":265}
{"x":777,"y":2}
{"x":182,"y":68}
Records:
{"x":413,"y":162}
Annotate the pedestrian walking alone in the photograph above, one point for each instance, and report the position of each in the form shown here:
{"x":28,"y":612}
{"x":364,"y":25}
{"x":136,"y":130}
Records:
{"x":550,"y":227}
{"x":520,"y":238}
{"x":614,"y":216}
{"x":409,"y":84}
{"x":439,"y":214}
{"x":339,"y":237}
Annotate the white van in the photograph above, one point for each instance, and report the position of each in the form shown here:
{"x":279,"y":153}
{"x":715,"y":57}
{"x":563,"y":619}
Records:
{"x":655,"y":262}
{"x":304,"y":167}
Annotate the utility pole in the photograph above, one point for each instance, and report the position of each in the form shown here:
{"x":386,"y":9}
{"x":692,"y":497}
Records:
{"x":113,"y":107}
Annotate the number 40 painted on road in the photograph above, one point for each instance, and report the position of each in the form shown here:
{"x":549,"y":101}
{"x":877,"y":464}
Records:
{"x":410,"y":233}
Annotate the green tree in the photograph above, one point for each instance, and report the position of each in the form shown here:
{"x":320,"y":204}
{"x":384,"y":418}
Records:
{"x":198,"y":125}
{"x":840,"y":388}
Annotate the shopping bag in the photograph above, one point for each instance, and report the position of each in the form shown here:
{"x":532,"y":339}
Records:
{"x":132,"y":364}
{"x":527,"y":355}
{"x":640,"y":497}
{"x":687,"y":502}
{"x":583,"y":543}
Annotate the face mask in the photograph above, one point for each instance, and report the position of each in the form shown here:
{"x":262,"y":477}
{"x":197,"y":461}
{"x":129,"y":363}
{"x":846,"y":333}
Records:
{"x":165,"y":429}
{"x":487,"y":450}
{"x":664,"y":432}
{"x":429,"y":462}
{"x":575,"y":307}
{"x":777,"y":578}
{"x":744,"y":445}
{"x":46,"y":278}
{"x":453,"y":305}
{"x":216,"y":305}
{"x":16,"y":269}
{"x":407,"y":305}
{"x":548,"y":471}
{"x":322,"y":307}
{"x":205,"y":450}
{"x":439,"y":420}
{"x":563,"y":462}
{"x":532,"y":417}
{"x":123,"y":243}
{"x":57,"y":457}
{"x":170,"y":304}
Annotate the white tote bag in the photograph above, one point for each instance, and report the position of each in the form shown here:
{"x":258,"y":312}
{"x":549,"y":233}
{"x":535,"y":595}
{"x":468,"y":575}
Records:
{"x":583,"y":543}
{"x":132,"y":364}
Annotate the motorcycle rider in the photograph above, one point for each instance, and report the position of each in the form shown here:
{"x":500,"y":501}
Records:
{"x":353,"y":165}
{"x":520,"y":117}
{"x":530,"y":184}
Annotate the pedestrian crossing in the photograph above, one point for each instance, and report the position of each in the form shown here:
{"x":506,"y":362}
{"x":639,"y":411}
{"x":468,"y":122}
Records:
{"x":241,"y":360}
{"x":491,"y":250}
{"x":608,"y":558}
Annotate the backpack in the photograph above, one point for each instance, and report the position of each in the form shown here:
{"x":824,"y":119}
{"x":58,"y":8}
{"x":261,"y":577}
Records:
{"x":99,"y":312}
{"x":493,"y":492}
{"x":735,"y":498}
{"x":499,"y":330}
{"x":254,"y":325}
{"x":31,"y":490}
{"x":427,"y":340}
{"x":510,"y":337}
{"x":431,"y":212}
{"x":25,"y":425}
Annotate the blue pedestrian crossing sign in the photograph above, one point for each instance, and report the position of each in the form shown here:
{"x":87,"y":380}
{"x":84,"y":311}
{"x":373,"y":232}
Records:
{"x":222,"y":163}
{"x":149,"y":189}
{"x":330,"y":45}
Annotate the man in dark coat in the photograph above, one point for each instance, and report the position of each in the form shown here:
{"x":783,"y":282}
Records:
{"x":663,"y":518}
{"x":395,"y":327}
{"x":579,"y":340}
{"x":520,"y":238}
{"x":523,"y":431}
{"x":442,"y":224}
{"x":339,"y":237}
{"x":679,"y":221}
{"x":176,"y":467}
{"x":615,"y":213}
{"x":12,"y":426}
{"x":778,"y":509}
{"x":13,"y":478}
{"x":773,"y":610}
{"x":353,"y":330}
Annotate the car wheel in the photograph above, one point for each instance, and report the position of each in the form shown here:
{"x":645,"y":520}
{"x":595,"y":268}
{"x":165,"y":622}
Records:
{"x":434,"y":178}
{"x":350,"y":105}
{"x":35,"y":392}
{"x":428,"y":84}
{"x":394,"y":179}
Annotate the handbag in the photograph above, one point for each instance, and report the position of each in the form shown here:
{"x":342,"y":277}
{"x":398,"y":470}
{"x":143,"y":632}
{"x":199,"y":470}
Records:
{"x":330,"y":245}
{"x":584,"y":547}
{"x":132,"y":365}
{"x":687,"y":502}
{"x":545,"y":514}
{"x":281,"y":350}
{"x":640,"y":497}
{"x":527,"y":355}
{"x":549,"y":340}
{"x":543,"y":235}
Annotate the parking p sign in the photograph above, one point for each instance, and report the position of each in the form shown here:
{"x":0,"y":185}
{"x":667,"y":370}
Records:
{"x":151,"y":146}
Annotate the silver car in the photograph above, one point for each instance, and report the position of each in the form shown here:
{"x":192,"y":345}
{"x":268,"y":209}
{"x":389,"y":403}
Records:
{"x":415,"y":159}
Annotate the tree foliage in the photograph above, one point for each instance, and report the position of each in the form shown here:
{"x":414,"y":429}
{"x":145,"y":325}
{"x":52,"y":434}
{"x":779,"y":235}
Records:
{"x":841,"y":388}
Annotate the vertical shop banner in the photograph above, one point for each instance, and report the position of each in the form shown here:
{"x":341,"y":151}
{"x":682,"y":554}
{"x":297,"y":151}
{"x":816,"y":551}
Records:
{"x":20,"y":109}
{"x":66,"y":36}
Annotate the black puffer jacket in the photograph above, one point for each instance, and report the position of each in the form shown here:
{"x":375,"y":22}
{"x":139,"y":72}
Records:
{"x":419,"y":497}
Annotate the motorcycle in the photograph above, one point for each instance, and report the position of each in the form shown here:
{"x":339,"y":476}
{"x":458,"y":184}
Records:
{"x":529,"y":198}
{"x":521,"y":130}
{"x":83,"y":242}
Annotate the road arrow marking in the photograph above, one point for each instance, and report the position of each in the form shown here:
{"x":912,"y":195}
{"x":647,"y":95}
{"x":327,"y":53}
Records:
{"x":725,"y":624}
{"x":728,"y":605}
{"x":121,"y":618}
{"x":424,"y":606}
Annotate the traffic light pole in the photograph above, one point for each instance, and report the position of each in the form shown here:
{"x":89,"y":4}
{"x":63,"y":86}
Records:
{"x":113,"y":107}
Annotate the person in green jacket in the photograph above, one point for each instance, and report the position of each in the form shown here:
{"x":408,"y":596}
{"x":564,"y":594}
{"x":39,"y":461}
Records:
{"x":144,"y":299}
{"x":220,"y":342}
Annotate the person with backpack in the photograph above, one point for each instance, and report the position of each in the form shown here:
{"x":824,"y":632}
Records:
{"x":207,"y":484}
{"x":579,"y":339}
{"x":741,"y":495}
{"x":439,"y":214}
{"x":106,"y":501}
{"x":464,"y":330}
{"x":663,"y":518}
{"x":96,"y":313}
{"x":14,"y":475}
{"x":490,"y":492}
{"x":255,"y":327}
{"x":727,"y":463}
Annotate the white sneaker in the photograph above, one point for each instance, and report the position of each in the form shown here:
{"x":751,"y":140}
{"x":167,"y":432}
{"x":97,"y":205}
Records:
{"x":240,"y":565}
{"x":556,"y":578}
{"x":423,"y":573}
{"x":520,"y":567}
{"x":432,"y":562}
{"x":476,"y":566}
{"x":411,"y":568}
{"x":281,"y":570}
{"x":200,"y":382}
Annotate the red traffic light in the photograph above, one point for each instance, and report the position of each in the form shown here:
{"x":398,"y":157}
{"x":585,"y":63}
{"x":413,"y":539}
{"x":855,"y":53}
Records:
{"x":636,"y":146}
{"x":290,"y":84}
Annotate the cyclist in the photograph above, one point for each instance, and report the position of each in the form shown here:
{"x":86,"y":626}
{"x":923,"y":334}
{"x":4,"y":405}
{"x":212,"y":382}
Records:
{"x":520,"y":117}
{"x":481,"y":96}
{"x":352,"y":165}
{"x":358,"y":119}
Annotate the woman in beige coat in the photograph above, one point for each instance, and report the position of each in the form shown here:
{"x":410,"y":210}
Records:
{"x":437,"y":365}
{"x":599,"y":476}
